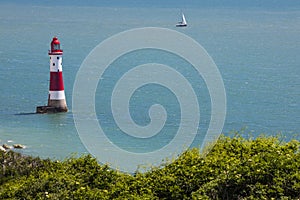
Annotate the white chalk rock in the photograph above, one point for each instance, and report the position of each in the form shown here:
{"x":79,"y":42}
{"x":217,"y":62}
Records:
{"x":2,"y":149}
{"x":5,"y":146}
{"x":19,"y":146}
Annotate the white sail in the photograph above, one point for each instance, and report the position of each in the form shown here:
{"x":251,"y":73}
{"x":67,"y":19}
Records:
{"x":183,"y":19}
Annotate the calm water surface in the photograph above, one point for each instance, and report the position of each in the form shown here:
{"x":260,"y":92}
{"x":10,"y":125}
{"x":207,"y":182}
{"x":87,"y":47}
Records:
{"x":256,"y":51}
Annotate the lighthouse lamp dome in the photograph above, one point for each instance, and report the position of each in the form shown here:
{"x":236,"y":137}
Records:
{"x":55,"y":46}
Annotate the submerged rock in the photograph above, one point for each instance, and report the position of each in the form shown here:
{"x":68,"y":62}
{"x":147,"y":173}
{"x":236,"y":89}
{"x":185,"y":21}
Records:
{"x":19,"y":146}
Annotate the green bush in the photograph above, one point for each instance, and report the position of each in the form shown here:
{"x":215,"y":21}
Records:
{"x":235,"y":168}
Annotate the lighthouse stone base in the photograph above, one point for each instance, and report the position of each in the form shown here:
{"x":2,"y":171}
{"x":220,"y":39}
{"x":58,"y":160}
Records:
{"x":50,"y":109}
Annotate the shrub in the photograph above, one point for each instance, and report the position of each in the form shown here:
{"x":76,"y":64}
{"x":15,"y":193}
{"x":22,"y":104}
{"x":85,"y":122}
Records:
{"x":235,"y":168}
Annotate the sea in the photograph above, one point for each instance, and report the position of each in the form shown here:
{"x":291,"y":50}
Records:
{"x":255,"y":47}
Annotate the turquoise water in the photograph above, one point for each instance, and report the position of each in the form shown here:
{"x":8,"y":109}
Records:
{"x":256,"y":51}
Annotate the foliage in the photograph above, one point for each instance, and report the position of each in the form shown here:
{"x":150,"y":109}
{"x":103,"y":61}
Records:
{"x":235,"y":168}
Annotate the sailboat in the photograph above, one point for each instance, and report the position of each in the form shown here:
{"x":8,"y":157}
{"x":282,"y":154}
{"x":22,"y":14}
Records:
{"x":183,"y":21}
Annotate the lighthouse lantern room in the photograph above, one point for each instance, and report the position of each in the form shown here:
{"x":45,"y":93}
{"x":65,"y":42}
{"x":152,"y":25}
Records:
{"x":56,"y":96}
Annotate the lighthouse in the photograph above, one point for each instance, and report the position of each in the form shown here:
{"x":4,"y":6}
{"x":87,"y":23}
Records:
{"x":56,"y":96}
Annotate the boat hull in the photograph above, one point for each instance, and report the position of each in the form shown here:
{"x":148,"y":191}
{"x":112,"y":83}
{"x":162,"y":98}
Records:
{"x":181,"y":25}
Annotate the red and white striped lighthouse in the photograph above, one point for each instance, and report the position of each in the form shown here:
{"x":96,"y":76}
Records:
{"x":56,"y":97}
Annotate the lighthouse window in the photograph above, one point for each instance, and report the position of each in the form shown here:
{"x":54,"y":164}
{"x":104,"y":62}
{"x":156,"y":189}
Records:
{"x":56,"y":47}
{"x":57,"y":58}
{"x":53,"y":64}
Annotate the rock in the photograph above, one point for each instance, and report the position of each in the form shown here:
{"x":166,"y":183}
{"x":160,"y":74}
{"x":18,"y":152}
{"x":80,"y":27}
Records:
{"x":19,"y":146}
{"x":5,"y":146}
{"x":2,"y":149}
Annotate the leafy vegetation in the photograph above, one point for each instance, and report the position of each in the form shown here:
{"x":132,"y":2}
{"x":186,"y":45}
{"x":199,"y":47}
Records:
{"x":235,"y":168}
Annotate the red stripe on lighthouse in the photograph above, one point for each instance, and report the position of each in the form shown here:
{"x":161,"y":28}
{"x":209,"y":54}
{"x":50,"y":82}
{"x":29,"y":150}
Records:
{"x":56,"y":81}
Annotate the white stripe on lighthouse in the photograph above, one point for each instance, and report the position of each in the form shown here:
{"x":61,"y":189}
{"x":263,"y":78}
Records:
{"x":57,"y":95}
{"x":55,"y":63}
